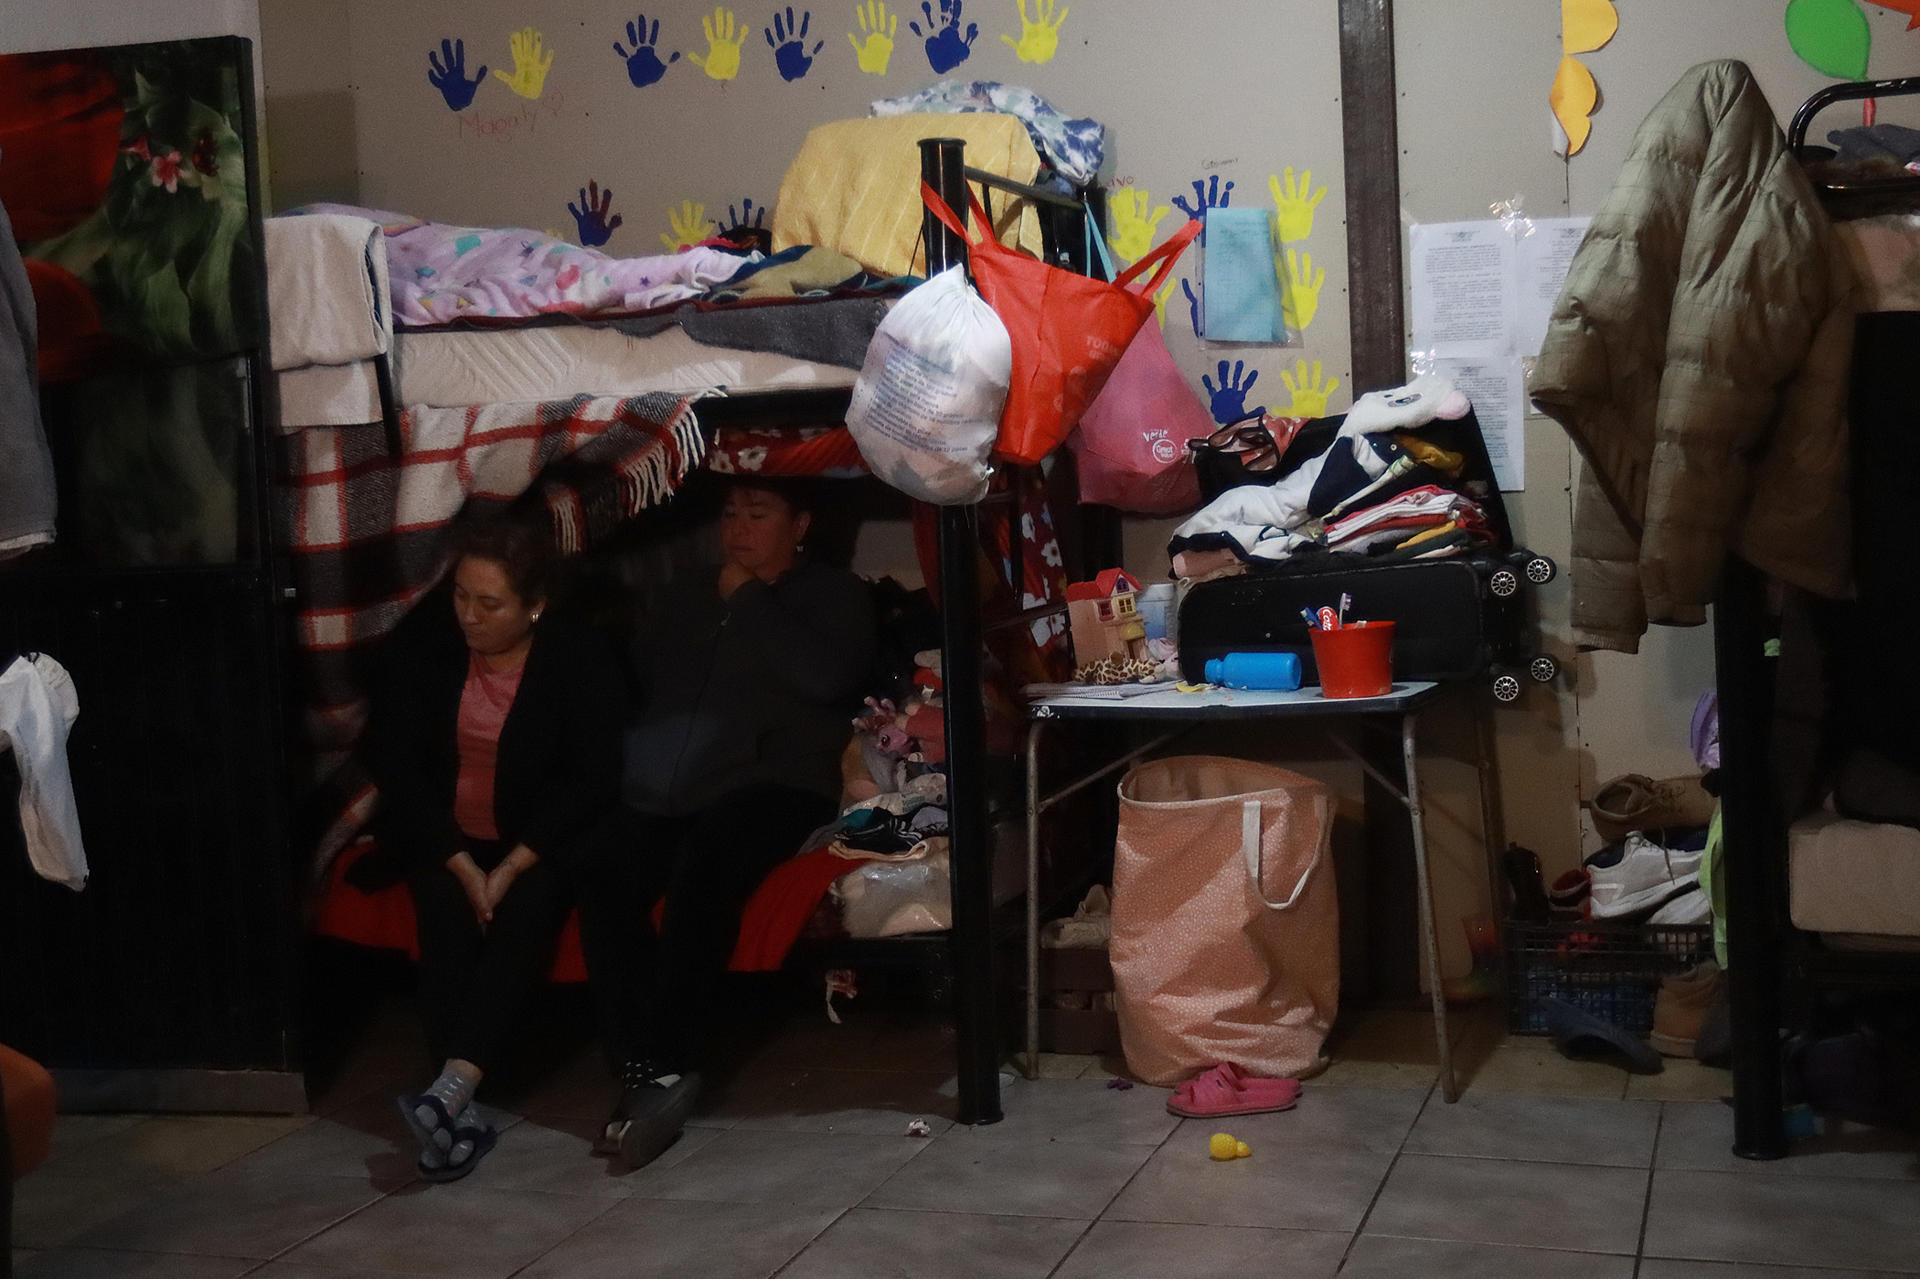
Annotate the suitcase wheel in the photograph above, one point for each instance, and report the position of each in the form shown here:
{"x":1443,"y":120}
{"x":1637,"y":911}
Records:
{"x":1543,"y":669}
{"x":1505,"y":583}
{"x":1540,"y":570}
{"x":1506,"y":686}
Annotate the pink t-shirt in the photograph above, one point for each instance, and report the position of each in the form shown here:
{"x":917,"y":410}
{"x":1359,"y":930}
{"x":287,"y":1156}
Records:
{"x":484,"y":704}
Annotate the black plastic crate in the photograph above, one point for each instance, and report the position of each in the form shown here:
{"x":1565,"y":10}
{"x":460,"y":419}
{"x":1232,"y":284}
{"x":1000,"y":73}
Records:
{"x":1610,"y":970}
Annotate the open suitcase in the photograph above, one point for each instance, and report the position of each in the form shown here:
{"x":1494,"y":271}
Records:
{"x":1455,"y":619}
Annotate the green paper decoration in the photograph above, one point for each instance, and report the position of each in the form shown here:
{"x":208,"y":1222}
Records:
{"x":1831,"y":36}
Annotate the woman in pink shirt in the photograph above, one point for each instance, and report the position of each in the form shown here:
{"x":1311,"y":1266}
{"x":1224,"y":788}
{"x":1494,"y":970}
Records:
{"x":496,"y":747}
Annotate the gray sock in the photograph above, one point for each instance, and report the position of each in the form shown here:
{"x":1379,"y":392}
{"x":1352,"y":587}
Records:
{"x":453,"y":1090}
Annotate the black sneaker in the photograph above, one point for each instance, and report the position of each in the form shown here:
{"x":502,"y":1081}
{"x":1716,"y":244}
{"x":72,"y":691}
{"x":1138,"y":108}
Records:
{"x":653,"y":1109}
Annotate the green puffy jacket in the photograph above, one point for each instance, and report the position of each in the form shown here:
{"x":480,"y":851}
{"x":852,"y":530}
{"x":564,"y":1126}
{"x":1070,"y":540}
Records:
{"x":1698,"y":357}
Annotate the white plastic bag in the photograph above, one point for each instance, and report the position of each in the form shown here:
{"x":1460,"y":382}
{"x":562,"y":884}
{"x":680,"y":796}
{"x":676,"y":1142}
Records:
{"x":926,"y":408}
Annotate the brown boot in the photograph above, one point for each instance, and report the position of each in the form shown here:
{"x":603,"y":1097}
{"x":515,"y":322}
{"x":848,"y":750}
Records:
{"x":1634,"y":802}
{"x":1681,"y":1007}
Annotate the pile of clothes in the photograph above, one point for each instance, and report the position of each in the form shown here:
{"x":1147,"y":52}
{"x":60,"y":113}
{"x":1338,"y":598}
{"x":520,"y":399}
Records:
{"x":1388,"y":480}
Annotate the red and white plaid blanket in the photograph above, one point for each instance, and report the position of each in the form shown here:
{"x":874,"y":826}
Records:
{"x":368,"y":531}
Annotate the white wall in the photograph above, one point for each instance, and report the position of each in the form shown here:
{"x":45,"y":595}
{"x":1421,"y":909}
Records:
{"x":72,"y":24}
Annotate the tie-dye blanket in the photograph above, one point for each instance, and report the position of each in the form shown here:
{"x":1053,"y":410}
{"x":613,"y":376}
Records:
{"x":443,"y":274}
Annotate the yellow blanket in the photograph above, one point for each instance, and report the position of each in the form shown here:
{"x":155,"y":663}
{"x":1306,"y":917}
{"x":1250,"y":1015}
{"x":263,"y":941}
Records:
{"x":855,"y":186}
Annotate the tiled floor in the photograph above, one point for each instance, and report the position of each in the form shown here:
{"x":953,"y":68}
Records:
{"x":802,"y":1167}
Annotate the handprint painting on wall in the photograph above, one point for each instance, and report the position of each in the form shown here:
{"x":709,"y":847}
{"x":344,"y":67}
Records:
{"x":946,"y":47}
{"x":447,"y":72}
{"x":724,"y":35}
{"x":644,"y":66}
{"x":1039,"y":35}
{"x":873,"y":47}
{"x":531,"y":62}
{"x":590,"y":218}
{"x":789,"y":45}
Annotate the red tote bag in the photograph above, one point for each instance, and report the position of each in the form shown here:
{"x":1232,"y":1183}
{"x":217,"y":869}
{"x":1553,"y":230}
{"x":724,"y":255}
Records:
{"x":1069,"y":331}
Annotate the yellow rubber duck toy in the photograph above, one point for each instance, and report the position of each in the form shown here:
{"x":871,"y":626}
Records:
{"x":1223,"y":1147}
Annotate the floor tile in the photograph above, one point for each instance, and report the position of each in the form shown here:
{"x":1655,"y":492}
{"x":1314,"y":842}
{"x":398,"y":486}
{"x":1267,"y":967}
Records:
{"x":1661,"y":1268}
{"x":1682,"y":1080}
{"x":1698,"y":1136}
{"x":173,"y":1146}
{"x":1845,"y":1223}
{"x":232,"y":1213}
{"x":556,"y":1157}
{"x":1529,"y":1064}
{"x":1153,"y":1250}
{"x":92,"y":1263}
{"x":284,"y":1269}
{"x":1080,"y":1110}
{"x":1376,"y":1257}
{"x":451,"y":1230}
{"x":816,"y":1170}
{"x":1060,"y":1065}
{"x":656,"y":1239}
{"x":757,"y":1091}
{"x":1536,"y":1205}
{"x":875,"y":1102}
{"x":1309,"y":1185}
{"x":962,"y":1173}
{"x":944,"y":1245}
{"x":1573,"y":1130}
{"x":74,"y":1132}
{"x":1375,"y":1119}
{"x":50,"y":1210}
{"x":367,"y":1140}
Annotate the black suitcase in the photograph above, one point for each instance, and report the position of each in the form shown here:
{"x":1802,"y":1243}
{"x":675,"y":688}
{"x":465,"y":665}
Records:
{"x":1453,"y":619}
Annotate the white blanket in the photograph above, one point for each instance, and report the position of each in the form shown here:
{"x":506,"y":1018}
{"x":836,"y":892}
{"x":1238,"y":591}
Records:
{"x":327,"y":290}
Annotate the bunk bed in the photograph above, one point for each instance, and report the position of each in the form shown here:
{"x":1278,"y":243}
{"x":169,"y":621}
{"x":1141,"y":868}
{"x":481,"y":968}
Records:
{"x":646,"y":445}
{"x":1791,"y":884}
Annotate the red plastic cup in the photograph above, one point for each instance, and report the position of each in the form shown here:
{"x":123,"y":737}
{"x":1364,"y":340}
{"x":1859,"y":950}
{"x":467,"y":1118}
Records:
{"x":1355,"y":660}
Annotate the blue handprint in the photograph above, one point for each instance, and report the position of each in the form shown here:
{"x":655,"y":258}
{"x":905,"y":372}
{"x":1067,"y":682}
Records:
{"x":1193,"y":306}
{"x":746,"y":226}
{"x":1206,"y":195}
{"x":449,"y":74}
{"x":590,"y":218}
{"x":1228,"y":401}
{"x":643,"y":64}
{"x":946,"y":49}
{"x":789,"y":45}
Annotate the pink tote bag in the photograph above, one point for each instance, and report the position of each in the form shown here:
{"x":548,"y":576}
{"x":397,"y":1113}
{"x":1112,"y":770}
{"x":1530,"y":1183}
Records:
{"x":1131,"y":446}
{"x":1226,"y":923}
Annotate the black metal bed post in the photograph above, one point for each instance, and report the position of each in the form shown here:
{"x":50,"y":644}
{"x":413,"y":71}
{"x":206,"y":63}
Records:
{"x":942,"y":166}
{"x":1749,"y":826}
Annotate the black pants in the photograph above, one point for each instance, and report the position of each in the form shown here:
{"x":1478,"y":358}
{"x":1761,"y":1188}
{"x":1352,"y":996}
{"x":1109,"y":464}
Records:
{"x":473,"y":983}
{"x":654,"y":990}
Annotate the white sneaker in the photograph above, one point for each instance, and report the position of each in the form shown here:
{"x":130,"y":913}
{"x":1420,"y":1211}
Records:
{"x":1640,"y":875}
{"x":1690,"y":907}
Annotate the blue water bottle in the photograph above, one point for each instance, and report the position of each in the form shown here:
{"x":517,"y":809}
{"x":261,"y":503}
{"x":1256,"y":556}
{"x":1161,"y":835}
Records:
{"x":1280,"y":671}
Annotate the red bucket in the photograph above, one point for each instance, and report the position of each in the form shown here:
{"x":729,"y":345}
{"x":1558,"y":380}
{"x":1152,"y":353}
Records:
{"x":1355,"y":660}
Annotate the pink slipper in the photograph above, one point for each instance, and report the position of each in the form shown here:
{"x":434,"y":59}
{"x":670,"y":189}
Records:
{"x":1224,"y":1090}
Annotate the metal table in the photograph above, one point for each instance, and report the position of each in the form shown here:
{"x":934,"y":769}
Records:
{"x":1183,"y":712}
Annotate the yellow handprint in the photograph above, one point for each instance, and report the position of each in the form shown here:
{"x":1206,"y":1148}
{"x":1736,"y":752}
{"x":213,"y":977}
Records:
{"x":1039,"y":35}
{"x":1302,"y":290}
{"x":1309,"y":395}
{"x":878,"y":30}
{"x":1160,"y":301}
{"x":1294,"y":204}
{"x":529,"y":68}
{"x":1134,"y":221}
{"x":724,"y":38}
{"x":690,"y":226}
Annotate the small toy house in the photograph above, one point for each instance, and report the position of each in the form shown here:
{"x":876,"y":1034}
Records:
{"x":1104,"y":618}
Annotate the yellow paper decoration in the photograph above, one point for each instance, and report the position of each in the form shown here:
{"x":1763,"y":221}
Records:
{"x":1586,"y":25}
{"x":1573,"y":97}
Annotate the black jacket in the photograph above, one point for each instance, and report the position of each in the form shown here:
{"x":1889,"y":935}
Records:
{"x":758,"y":689}
{"x":558,"y":770}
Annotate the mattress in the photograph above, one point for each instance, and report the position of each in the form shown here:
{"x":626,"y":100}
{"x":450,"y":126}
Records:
{"x":523,"y":365}
{"x":1845,"y":876}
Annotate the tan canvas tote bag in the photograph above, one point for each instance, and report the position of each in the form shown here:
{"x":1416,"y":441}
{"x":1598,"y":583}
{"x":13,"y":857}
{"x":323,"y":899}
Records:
{"x":1226,"y":924}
